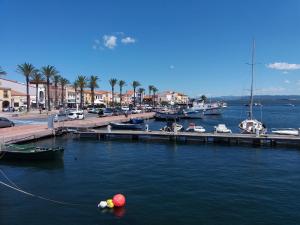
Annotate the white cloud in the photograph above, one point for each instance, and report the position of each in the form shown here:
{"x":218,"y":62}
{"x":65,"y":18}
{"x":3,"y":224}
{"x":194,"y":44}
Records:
{"x":128,"y":40}
{"x":171,"y":67}
{"x":287,"y":81}
{"x":110,"y":41}
{"x":283,"y":66}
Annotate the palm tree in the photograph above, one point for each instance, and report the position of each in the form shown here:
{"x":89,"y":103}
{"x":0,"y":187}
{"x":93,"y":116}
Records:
{"x":27,"y":70}
{"x":112,"y":83}
{"x":56,"y":79}
{"x":2,"y":72}
{"x":93,"y":84}
{"x":203,"y":98}
{"x":154,"y":90}
{"x":48,"y":72}
{"x":135,"y":84}
{"x":37,"y":78}
{"x":82,"y":83}
{"x":150,"y":88}
{"x":63,"y":82}
{"x":122,"y":83}
{"x":141,"y":92}
{"x":75,"y":86}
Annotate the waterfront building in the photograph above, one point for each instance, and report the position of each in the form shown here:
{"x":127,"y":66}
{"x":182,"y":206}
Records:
{"x":19,"y":88}
{"x":172,"y":97}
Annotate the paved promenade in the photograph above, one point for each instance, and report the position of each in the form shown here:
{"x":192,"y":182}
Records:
{"x":32,"y":132}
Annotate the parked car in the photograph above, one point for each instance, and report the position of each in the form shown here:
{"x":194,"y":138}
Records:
{"x":76,"y":115}
{"x":4,"y":122}
{"x":136,"y":111}
{"x":106,"y":112}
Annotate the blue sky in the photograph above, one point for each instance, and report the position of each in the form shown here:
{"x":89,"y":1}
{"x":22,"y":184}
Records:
{"x":196,"y":47}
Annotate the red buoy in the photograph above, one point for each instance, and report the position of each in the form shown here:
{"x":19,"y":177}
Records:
{"x":119,"y":200}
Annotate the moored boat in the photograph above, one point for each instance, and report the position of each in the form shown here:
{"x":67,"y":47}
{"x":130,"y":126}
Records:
{"x":221,"y":128}
{"x":194,"y":128}
{"x":251,"y":125}
{"x":30,"y":152}
{"x":172,"y":127}
{"x":286,"y":131}
{"x":167,"y":116}
{"x":126,"y":126}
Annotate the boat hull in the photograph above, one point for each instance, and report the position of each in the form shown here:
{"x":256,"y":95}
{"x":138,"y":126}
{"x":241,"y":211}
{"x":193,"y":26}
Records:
{"x":126,"y":126}
{"x":50,"y":154}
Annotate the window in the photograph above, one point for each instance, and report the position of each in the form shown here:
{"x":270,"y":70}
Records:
{"x":5,"y":94}
{"x":16,"y":104}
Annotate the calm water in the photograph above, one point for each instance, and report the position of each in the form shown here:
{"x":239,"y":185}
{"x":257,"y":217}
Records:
{"x":164,"y":183}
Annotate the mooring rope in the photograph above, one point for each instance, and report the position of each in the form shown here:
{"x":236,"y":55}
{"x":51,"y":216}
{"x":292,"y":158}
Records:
{"x":16,"y":188}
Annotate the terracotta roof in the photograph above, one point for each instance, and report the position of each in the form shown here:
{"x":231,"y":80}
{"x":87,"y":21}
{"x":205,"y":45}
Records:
{"x":16,"y":93}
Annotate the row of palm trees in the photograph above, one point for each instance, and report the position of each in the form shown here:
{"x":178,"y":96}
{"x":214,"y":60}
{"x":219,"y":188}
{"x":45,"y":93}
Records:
{"x":49,"y":74}
{"x":40,"y":76}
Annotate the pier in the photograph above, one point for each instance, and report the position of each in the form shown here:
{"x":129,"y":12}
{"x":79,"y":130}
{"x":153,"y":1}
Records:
{"x":32,"y":132}
{"x":189,"y":137}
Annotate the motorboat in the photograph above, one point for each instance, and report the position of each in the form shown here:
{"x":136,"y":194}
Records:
{"x":286,"y":131}
{"x":172,"y":127}
{"x":136,"y":120}
{"x":199,"y":109}
{"x":126,"y":126}
{"x":221,"y":128}
{"x":30,"y":152}
{"x":167,"y":115}
{"x":251,"y":125}
{"x":194,"y":128}
{"x":191,"y":113}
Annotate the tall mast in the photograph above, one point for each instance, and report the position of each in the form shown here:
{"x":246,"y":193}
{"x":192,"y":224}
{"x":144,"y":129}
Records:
{"x":252,"y":75}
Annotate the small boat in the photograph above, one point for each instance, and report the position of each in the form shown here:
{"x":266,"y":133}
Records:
{"x":167,"y":116}
{"x":191,"y":113}
{"x":286,"y":131}
{"x":126,"y":126}
{"x":221,"y":128}
{"x":136,"y":121}
{"x":172,"y":127}
{"x":30,"y":152}
{"x":193,"y":128}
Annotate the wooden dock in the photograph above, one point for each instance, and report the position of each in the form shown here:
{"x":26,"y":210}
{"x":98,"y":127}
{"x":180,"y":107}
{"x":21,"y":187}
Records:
{"x":188,"y":137}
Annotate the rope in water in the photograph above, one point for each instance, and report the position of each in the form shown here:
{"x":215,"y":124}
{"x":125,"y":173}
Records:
{"x":16,"y":188}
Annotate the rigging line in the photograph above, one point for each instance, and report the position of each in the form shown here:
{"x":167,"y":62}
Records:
{"x":9,"y":180}
{"x":38,"y":196}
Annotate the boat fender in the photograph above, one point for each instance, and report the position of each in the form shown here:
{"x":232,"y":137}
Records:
{"x":110,"y":203}
{"x":102,"y":204}
{"x":119,"y":200}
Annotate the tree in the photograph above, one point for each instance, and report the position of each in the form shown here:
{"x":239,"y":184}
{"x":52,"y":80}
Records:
{"x":37,"y":78}
{"x":2,"y":72}
{"x":93,"y":84}
{"x":203,"y":98}
{"x":135,"y":84}
{"x":27,"y":70}
{"x":141,"y":92}
{"x":113,"y":83}
{"x":82,"y":83}
{"x":150,"y":88}
{"x":122,"y":83}
{"x":154,"y":90}
{"x":56,"y":79}
{"x":63,"y":82}
{"x":75,"y":86}
{"x":48,"y":72}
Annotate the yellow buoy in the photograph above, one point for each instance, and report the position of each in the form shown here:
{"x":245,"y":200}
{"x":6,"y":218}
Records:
{"x":110,"y":203}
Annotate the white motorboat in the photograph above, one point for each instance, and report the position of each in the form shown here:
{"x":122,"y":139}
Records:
{"x":286,"y":131}
{"x":172,"y":127}
{"x":251,"y":125}
{"x":201,"y":108}
{"x":193,"y":128}
{"x":221,"y":128}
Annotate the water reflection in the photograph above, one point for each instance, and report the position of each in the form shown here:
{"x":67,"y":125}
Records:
{"x":45,"y":165}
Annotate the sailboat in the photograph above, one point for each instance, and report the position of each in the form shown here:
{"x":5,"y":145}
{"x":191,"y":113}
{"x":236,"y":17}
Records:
{"x":251,"y":125}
